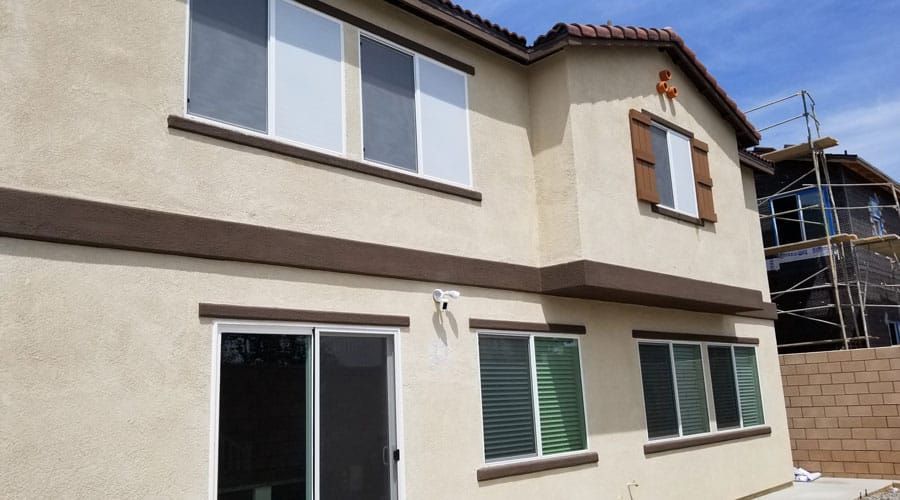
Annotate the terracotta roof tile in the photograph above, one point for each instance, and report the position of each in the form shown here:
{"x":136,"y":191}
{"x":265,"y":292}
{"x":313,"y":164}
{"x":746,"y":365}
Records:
{"x":494,"y":28}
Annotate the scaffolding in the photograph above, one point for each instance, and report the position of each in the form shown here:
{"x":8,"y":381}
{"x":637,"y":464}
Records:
{"x":836,"y":245}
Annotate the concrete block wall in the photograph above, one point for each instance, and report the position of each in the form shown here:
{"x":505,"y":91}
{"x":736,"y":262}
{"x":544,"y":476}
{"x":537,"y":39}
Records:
{"x":843,"y":411}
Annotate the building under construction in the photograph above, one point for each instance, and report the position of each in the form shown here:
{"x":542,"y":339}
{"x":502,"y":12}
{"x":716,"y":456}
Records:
{"x":830,"y":224}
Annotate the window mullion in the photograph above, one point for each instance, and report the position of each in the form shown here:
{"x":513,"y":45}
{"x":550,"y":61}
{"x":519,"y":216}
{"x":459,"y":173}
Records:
{"x":737,"y":388}
{"x":707,"y":384}
{"x":675,"y":387}
{"x":420,"y":147}
{"x":535,"y":398}
{"x":672,"y":177}
{"x":270,"y":71}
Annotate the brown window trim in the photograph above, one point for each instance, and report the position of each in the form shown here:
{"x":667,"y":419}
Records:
{"x":490,"y":472}
{"x":275,"y":146}
{"x":715,"y":437}
{"x":226,"y":311}
{"x":387,"y":35}
{"x":668,"y":212}
{"x":666,"y":123}
{"x":692,"y":337}
{"x":517,"y":326}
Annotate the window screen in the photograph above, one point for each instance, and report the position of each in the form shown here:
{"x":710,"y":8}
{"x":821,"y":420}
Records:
{"x":691,"y":388}
{"x":445,"y":141}
{"x":506,"y":397}
{"x":748,"y":385}
{"x":227,"y":63}
{"x":663,"y":174}
{"x":389,"y":105}
{"x":559,"y":393}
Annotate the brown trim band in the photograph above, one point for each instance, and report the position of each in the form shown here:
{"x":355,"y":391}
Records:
{"x":692,"y":337}
{"x":692,"y":442}
{"x":769,"y":311}
{"x":46,"y":217}
{"x":387,"y":35}
{"x":274,"y":146}
{"x":668,"y":212}
{"x":518,"y":326}
{"x":490,"y":472}
{"x":612,"y":283}
{"x":225,"y":311}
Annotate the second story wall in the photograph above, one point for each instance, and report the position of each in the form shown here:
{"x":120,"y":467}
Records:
{"x":88,"y":88}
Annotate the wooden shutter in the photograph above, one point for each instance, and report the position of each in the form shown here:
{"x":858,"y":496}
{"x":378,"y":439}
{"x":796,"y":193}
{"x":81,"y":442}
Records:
{"x":559,"y":395}
{"x":691,"y":389}
{"x":659,"y":390}
{"x":703,"y":181}
{"x":748,"y":385}
{"x":644,"y":161}
{"x":721,"y":372}
{"x":506,"y":399}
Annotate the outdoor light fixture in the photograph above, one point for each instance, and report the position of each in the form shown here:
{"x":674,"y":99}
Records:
{"x":442,"y":298}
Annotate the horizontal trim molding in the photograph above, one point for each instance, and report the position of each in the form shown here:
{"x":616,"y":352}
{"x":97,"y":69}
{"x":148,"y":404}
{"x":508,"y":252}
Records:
{"x":692,"y":337}
{"x":518,"y":326}
{"x":53,"y":218}
{"x":490,"y":472}
{"x":387,"y":35}
{"x":716,"y":437}
{"x":611,"y":283}
{"x":225,"y":311}
{"x":271,"y":145}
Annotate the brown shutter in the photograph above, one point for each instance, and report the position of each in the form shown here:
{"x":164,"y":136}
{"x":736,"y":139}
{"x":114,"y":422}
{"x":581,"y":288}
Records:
{"x":642,"y":149}
{"x":704,"y":183}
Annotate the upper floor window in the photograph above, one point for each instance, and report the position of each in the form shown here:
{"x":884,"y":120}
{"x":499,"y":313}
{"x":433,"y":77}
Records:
{"x":894,"y":329}
{"x":414,"y":113}
{"x":275,"y":67}
{"x":875,"y":216}
{"x":798,"y":217}
{"x":674,"y":170}
{"x":270,"y":66}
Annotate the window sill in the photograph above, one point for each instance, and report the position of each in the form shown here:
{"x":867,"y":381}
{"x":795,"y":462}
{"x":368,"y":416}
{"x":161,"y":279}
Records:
{"x":668,"y":212}
{"x":716,"y":437}
{"x":275,"y":146}
{"x":490,"y":472}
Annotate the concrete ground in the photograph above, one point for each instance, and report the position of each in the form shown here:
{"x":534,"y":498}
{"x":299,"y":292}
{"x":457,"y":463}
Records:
{"x":829,"y":488}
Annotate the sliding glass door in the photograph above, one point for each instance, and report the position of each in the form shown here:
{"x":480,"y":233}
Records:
{"x":304,"y":414}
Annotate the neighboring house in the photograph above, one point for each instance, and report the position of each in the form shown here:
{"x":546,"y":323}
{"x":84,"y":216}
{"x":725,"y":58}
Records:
{"x":862,"y":219}
{"x":224,"y":223}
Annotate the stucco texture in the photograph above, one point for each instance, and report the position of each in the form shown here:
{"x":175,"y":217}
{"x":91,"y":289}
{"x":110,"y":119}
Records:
{"x":105,"y":370}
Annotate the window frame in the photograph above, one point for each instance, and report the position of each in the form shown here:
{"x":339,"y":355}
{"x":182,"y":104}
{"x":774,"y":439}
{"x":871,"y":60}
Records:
{"x":707,"y":383}
{"x":314,"y":331}
{"x":360,"y":34}
{"x":270,"y":82}
{"x":669,"y":131}
{"x":876,"y":216}
{"x":535,"y":397}
{"x":829,"y":213}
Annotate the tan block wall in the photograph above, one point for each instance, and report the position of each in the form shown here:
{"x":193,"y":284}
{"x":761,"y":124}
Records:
{"x":843,"y":411}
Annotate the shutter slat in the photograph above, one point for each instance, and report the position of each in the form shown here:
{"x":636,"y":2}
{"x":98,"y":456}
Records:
{"x":644,"y":160}
{"x":659,"y":391}
{"x":559,"y":395}
{"x":691,"y":389}
{"x":703,"y":181}
{"x":506,"y":398}
{"x":748,"y":385}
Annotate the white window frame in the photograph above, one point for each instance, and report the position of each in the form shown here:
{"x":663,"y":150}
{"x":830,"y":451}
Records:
{"x":419,"y":150}
{"x":314,"y":331}
{"x":270,"y":84}
{"x":669,"y":132}
{"x":798,"y":214}
{"x":535,"y":401}
{"x":707,"y":383}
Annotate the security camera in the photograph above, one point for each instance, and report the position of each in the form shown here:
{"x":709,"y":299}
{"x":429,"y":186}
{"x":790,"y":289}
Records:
{"x":443,"y":298}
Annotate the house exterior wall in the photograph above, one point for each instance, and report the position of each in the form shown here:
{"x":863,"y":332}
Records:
{"x":106,"y":366}
{"x":842,"y":411}
{"x":110,"y":341}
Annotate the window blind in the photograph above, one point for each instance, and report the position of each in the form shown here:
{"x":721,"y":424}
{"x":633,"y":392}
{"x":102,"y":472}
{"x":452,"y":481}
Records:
{"x":506,"y":397}
{"x":559,"y":394}
{"x":691,"y":388}
{"x":659,"y":390}
{"x":721,"y":370}
{"x":748,"y":385}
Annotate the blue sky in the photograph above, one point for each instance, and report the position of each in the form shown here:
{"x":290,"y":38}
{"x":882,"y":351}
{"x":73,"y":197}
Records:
{"x":845,"y":53}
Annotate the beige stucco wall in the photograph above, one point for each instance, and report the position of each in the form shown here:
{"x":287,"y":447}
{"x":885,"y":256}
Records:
{"x":105,"y":377}
{"x":589,"y":141}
